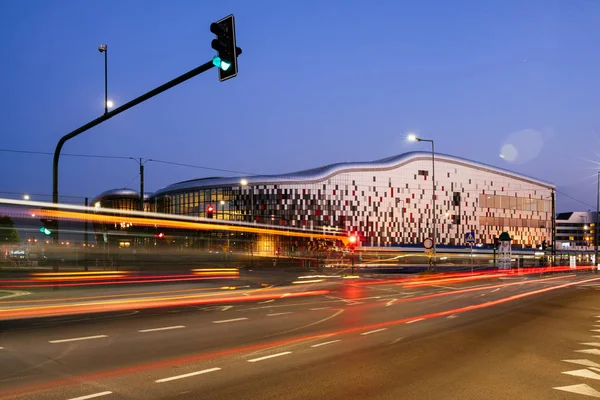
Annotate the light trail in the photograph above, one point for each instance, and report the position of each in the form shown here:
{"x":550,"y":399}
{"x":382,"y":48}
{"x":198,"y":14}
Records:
{"x":44,"y":387}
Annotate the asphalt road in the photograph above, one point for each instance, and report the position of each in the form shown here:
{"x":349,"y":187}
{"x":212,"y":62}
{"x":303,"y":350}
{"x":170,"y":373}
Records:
{"x":499,"y":338}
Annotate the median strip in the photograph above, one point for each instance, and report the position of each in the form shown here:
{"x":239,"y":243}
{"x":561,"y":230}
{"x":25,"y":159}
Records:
{"x":172,"y":378}
{"x":77,"y":339}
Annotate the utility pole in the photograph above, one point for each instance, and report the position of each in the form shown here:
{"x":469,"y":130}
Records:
{"x":85,"y":238}
{"x":141,"y":185}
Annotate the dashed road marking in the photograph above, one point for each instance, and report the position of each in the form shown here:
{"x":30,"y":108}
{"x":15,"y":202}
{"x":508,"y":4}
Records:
{"x":452,"y":316}
{"x":389,"y":303}
{"x":415,"y":320}
{"x":585,"y":362}
{"x":279,"y":313}
{"x":77,"y":339}
{"x":319,"y":308}
{"x":595,"y":352}
{"x":597,"y":344}
{"x":584,"y":373}
{"x":375,"y":331}
{"x":270,"y":356}
{"x":224,"y":321}
{"x":326,"y":343}
{"x":164,"y":328}
{"x":397,"y":340}
{"x":580,"y":389}
{"x":91,"y":396}
{"x":172,"y":378}
{"x":266,"y":301}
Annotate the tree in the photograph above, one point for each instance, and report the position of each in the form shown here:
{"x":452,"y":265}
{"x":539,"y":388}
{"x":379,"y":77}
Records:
{"x":8,"y":233}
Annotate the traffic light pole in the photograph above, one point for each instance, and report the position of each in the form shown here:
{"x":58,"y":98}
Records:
{"x":172,"y":83}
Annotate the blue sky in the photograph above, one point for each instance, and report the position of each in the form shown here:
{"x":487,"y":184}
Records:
{"x":319,"y":82}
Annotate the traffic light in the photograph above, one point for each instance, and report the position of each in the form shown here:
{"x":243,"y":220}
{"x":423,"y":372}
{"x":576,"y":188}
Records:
{"x":224,"y":44}
{"x":209,"y":211}
{"x":48,"y":228}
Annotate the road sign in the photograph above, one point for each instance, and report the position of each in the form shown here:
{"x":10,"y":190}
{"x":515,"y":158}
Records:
{"x":428,"y":243}
{"x":470,"y":237}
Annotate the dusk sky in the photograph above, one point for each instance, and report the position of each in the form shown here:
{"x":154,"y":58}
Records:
{"x":319,"y":82}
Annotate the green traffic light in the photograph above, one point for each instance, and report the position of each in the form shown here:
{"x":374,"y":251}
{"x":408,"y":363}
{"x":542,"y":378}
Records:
{"x":217,"y":62}
{"x":45,"y":231}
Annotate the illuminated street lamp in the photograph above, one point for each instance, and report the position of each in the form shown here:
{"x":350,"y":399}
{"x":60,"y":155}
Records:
{"x":26,"y":197}
{"x":107,"y":103}
{"x":414,"y":138}
{"x":97,"y":204}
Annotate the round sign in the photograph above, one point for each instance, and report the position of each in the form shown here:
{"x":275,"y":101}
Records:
{"x":428,"y":243}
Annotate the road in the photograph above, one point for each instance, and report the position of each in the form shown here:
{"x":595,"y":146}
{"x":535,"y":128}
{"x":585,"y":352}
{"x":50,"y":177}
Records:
{"x":497,"y":338}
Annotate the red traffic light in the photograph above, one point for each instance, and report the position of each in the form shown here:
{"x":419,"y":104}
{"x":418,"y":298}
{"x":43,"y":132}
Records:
{"x":160,"y":235}
{"x":352,"y":239}
{"x":210,"y":209}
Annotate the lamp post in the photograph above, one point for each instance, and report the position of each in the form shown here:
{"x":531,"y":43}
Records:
{"x":104,"y":49}
{"x":26,"y":197}
{"x":413,"y":138}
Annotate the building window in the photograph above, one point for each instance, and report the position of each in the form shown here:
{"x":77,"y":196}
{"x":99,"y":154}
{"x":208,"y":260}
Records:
{"x":423,"y":172}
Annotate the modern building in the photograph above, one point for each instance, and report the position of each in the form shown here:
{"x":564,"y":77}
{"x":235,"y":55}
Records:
{"x":387,"y":202}
{"x":576,"y":230}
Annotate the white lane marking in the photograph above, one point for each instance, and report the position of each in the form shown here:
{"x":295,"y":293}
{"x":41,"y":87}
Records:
{"x":375,"y":331}
{"x":279,"y":313}
{"x":1,"y":348}
{"x":319,"y":308}
{"x":415,"y":320}
{"x":77,"y":339}
{"x":397,"y":340}
{"x":165,"y":328}
{"x":13,"y":293}
{"x":172,"y":378}
{"x":580,"y":389}
{"x":266,"y":301}
{"x":389,"y":303}
{"x":271,"y":356}
{"x":589,"y":351}
{"x":594,"y":330}
{"x":597,"y":344}
{"x":223,"y":321}
{"x":354,"y":303}
{"x":452,"y":316}
{"x":583,"y":361}
{"x":326,"y":343}
{"x":91,"y":396}
{"x":495,"y":290}
{"x":584,"y":373}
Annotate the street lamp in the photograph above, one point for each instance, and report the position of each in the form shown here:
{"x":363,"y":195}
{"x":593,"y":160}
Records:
{"x":26,"y":197}
{"x":97,"y":205}
{"x":414,"y":138}
{"x":104,"y":49}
